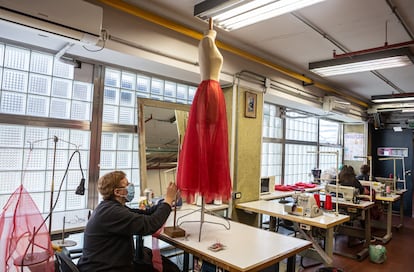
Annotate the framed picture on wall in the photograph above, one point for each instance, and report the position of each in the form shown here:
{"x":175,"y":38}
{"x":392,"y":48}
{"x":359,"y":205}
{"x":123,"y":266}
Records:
{"x":250,"y":105}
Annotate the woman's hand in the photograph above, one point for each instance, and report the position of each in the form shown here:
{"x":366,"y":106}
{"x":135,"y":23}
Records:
{"x":171,"y":193}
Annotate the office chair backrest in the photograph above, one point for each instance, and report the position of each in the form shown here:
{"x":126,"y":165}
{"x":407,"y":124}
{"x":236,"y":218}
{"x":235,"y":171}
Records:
{"x":65,"y":263}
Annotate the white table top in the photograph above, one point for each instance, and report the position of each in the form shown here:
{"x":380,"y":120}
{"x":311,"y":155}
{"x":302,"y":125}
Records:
{"x":276,"y":209}
{"x":247,"y":248}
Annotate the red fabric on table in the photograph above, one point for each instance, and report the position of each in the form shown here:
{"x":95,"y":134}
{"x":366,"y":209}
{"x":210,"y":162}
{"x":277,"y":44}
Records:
{"x":203,"y":165}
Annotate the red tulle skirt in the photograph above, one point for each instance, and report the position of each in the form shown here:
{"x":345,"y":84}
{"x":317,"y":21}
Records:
{"x":203,"y":165}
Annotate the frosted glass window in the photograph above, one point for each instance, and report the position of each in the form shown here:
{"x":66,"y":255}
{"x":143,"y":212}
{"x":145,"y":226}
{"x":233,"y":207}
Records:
{"x":191,"y":93}
{"x":34,"y":84}
{"x":17,"y":58}
{"x":13,"y":103}
{"x":34,"y":181}
{"x":62,"y":88}
{"x":301,"y":128}
{"x":182,"y":91}
{"x":143,"y":84}
{"x":80,"y":111}
{"x":157,"y":87}
{"x":271,"y":164}
{"x":59,"y":108}
{"x":11,"y":136}
{"x":124,"y":159}
{"x":112,"y":77}
{"x":272,"y":123}
{"x":14,"y":81}
{"x":64,"y":70}
{"x":329,"y":132}
{"x":170,"y":89}
{"x":127,"y":98}
{"x":37,"y":106}
{"x":10,"y":159}
{"x":299,"y":163}
{"x":128,"y":81}
{"x":107,"y":160}
{"x":10,"y":180}
{"x":110,"y":114}
{"x":82,"y":91}
{"x":125,"y":141}
{"x":1,"y":54}
{"x":41,"y":63}
{"x":126,"y":116}
{"x":327,"y":161}
{"x":108,"y":141}
{"x":111,"y":96}
{"x":39,"y":84}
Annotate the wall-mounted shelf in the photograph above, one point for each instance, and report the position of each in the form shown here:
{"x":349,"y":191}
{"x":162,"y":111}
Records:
{"x":392,"y":151}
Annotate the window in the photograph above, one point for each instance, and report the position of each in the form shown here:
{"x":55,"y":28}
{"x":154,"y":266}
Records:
{"x":291,"y":158}
{"x":35,"y":84}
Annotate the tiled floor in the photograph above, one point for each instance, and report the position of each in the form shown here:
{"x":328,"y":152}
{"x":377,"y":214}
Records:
{"x":400,"y":254}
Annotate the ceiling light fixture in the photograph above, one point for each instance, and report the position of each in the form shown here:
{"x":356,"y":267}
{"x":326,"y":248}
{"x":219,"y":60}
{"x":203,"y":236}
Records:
{"x":392,"y":98}
{"x":234,"y":14}
{"x":363,"y":62}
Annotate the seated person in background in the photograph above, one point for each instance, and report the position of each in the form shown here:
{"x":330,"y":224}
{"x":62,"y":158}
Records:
{"x":364,"y":175}
{"x":108,"y":238}
{"x":347,"y":177}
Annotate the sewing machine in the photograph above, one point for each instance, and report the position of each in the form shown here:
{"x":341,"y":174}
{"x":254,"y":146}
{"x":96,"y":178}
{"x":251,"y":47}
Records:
{"x":305,"y":205}
{"x":378,"y":187}
{"x":347,"y":193}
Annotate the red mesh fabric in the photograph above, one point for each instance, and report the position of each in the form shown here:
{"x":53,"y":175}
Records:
{"x":203,"y":166}
{"x":19,"y":221}
{"x":156,"y":253}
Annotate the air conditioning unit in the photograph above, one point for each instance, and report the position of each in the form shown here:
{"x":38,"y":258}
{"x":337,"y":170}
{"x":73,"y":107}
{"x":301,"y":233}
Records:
{"x":76,"y":20}
{"x":332,"y":103}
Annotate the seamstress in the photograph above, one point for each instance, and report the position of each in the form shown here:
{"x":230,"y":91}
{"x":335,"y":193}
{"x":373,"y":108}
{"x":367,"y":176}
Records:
{"x":108,"y":239}
{"x":347,"y":177}
{"x":364,"y":173}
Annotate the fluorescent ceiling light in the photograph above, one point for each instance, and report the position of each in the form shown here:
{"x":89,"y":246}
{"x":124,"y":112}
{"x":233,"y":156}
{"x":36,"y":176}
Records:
{"x":234,"y":14}
{"x":364,"y":62}
{"x":408,"y":110}
{"x":393,"y":98}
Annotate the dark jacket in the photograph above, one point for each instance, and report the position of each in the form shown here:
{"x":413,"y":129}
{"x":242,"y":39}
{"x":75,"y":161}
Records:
{"x":108,"y":239}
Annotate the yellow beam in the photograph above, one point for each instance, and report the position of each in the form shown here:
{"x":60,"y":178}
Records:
{"x":151,"y":17}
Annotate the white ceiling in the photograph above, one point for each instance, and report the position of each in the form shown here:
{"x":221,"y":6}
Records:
{"x":288,"y":40}
{"x":293,"y":40}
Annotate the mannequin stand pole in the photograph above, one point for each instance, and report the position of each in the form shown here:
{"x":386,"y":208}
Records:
{"x":202,"y":221}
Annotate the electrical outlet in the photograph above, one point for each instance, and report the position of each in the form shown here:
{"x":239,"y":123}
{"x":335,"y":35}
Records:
{"x":237,"y":195}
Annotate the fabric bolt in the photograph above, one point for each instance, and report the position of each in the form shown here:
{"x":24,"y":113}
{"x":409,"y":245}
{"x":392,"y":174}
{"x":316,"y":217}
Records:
{"x":203,"y":166}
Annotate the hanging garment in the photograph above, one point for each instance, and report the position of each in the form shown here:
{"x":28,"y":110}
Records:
{"x":25,"y":240}
{"x":203,"y":166}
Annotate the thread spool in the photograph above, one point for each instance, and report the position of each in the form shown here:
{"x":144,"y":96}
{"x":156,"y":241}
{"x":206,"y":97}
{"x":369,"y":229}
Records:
{"x":328,"y":202}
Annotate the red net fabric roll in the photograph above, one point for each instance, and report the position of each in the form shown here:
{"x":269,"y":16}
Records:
{"x":203,"y":166}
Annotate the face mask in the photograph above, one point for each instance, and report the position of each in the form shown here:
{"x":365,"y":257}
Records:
{"x":131,"y":192}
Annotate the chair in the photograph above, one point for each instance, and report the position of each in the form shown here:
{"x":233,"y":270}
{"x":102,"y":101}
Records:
{"x":64,"y":262}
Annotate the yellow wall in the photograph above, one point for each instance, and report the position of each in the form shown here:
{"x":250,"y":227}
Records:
{"x":247,"y":150}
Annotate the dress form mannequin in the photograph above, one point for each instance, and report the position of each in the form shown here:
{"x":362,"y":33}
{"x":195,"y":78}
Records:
{"x":203,"y":166}
{"x":210,"y":58}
